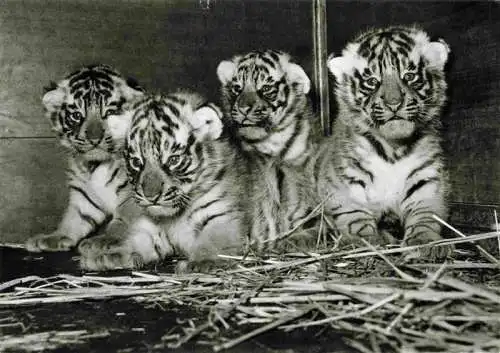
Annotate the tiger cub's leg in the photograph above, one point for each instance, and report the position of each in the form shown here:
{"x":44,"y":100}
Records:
{"x":421,"y":228}
{"x":353,"y":223}
{"x":126,"y":246}
{"x":93,"y":198}
{"x":222,"y":235}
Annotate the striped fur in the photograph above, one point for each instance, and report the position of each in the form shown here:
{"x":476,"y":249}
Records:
{"x":269,"y":117}
{"x":189,"y":183}
{"x":384,"y":163}
{"x":84,"y":109}
{"x":264,"y":96}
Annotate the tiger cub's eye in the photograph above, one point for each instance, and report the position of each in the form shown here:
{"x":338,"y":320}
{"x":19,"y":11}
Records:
{"x":135,"y":163}
{"x":236,"y":88}
{"x":174,"y":160}
{"x":112,"y":112}
{"x":75,"y":117}
{"x":409,"y":76}
{"x":372,"y":82}
{"x":266,"y":89}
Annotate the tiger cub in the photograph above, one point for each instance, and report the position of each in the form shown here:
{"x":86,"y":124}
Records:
{"x":269,"y":117}
{"x":190,"y":184}
{"x":384,"y":164}
{"x":84,"y":110}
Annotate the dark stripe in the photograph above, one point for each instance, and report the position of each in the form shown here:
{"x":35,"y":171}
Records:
{"x":351,"y":180}
{"x":121,"y":186}
{"x":167,"y":129}
{"x":268,"y":61}
{"x":157,"y":250}
{"x":172,"y":246}
{"x":191,"y":139}
{"x":160,"y":114}
{"x":361,"y":220}
{"x":208,"y":204}
{"x":182,"y":169}
{"x":89,"y":219}
{"x":379,"y":148}
{"x":202,"y":225}
{"x":403,"y":45}
{"x":406,"y":38}
{"x":291,"y":140}
{"x":358,"y":165}
{"x":113,"y":176}
{"x":172,"y":108}
{"x":170,"y":194}
{"x":419,"y":212}
{"x":175,"y":146}
{"x":177,"y":100}
{"x":417,"y":186}
{"x":84,"y":194}
{"x":424,"y":165}
{"x":280,"y":178}
{"x":92,"y":165}
{"x":220,"y":174}
{"x":337,"y":215}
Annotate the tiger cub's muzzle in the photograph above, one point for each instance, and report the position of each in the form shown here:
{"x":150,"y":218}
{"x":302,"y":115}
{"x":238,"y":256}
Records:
{"x":157,"y":196}
{"x":250,"y":110}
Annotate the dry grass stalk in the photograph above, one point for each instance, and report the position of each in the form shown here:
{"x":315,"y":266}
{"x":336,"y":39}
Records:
{"x":380,"y":305}
{"x":486,"y":254}
{"x":43,"y":341}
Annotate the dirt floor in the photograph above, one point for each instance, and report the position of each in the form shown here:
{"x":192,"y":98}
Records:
{"x":116,"y":325}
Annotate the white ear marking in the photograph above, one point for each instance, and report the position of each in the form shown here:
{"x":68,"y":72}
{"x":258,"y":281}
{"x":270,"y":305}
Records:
{"x":206,"y":123}
{"x":436,"y":53}
{"x":119,"y":125}
{"x":297,"y":74}
{"x":225,"y":71}
{"x":130,"y":93}
{"x":53,"y":99}
{"x":337,"y":66}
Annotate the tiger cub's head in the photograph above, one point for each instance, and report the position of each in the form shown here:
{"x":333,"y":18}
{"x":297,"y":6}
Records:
{"x":166,"y":150}
{"x":84,"y":109}
{"x":391,"y":81}
{"x":261,"y":93}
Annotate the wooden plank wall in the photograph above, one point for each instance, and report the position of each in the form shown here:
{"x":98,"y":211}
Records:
{"x":164,"y":44}
{"x":171,"y":44}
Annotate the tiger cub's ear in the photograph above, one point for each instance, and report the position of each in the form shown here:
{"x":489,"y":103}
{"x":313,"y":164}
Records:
{"x":338,"y":66}
{"x":225,"y":71}
{"x":54,"y":98}
{"x":296,"y":74}
{"x":207,"y":123}
{"x":131,"y":90}
{"x":436,"y":53}
{"x":119,"y":124}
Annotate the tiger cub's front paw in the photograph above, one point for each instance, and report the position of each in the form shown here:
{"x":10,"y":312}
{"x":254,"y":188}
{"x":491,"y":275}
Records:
{"x":356,"y":240}
{"x":202,"y":266}
{"x":431,"y":253}
{"x":50,"y":242}
{"x":103,"y":253}
{"x":302,"y":240}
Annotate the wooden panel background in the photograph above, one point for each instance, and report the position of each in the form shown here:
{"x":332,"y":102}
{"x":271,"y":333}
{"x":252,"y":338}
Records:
{"x":171,"y":44}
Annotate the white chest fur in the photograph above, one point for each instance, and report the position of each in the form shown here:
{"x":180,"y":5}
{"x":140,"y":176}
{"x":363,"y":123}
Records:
{"x":390,"y":181}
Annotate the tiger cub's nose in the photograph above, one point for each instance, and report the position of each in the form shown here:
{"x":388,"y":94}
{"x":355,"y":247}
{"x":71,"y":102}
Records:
{"x":94,"y":133}
{"x":152,"y":187}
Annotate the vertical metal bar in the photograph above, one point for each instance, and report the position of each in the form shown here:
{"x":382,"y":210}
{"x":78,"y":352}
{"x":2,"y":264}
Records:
{"x":320,"y":72}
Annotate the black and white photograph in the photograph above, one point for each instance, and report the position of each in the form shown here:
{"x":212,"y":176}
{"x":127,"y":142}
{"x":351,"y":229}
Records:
{"x":272,"y":176}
